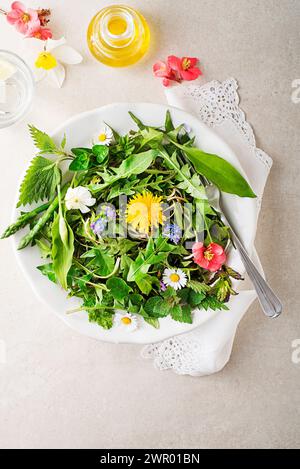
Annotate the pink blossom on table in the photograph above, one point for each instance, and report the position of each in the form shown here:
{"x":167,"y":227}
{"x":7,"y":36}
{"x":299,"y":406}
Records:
{"x":176,"y":69}
{"x":185,"y":67}
{"x":24,"y":19}
{"x":162,"y":70}
{"x":40,"y":33}
{"x":211,"y":257}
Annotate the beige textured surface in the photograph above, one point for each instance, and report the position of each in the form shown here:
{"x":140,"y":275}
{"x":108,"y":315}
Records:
{"x":58,"y":389}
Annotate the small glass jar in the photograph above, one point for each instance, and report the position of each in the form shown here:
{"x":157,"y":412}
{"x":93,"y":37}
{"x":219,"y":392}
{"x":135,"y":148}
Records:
{"x":16,"y":88}
{"x":118,"y":36}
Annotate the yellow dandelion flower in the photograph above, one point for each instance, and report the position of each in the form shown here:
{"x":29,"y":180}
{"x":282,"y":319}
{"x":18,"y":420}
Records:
{"x":144,"y":212}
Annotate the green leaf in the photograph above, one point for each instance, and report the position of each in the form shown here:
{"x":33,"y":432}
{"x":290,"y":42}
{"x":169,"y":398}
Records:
{"x":62,"y":249}
{"x":63,"y":142}
{"x":138,"y":122}
{"x":168,"y":122}
{"x":42,"y":141}
{"x":47,"y":270}
{"x":218,"y":171}
{"x":144,"y":282}
{"x":195,"y":299}
{"x":211,"y":302}
{"x":198,"y":287}
{"x":191,"y":186}
{"x":156,"y":252}
{"x":80,"y":163}
{"x":102,"y":261}
{"x":152,"y":321}
{"x":136,"y":164}
{"x":101,"y":152}
{"x":40,"y":181}
{"x":182,"y":313}
{"x":44,"y":247}
{"x":102,"y":318}
{"x":118,"y":288}
{"x":152,"y":136}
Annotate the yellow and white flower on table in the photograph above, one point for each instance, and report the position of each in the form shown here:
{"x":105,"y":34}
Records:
{"x":104,"y":136}
{"x":174,"y":278}
{"x":47,"y":59}
{"x":126,"y":321}
{"x":79,"y":198}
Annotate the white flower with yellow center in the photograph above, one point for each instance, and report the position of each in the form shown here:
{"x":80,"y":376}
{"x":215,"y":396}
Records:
{"x":79,"y":198}
{"x":174,"y":278}
{"x":126,"y":321}
{"x":48,"y":62}
{"x":104,"y":136}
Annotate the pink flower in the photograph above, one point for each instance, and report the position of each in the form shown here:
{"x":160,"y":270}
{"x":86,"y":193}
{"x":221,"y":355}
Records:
{"x":40,"y":33}
{"x":211,"y":257}
{"x":176,"y":69}
{"x":185,"y":67}
{"x":162,"y":70}
{"x":23,"y":19}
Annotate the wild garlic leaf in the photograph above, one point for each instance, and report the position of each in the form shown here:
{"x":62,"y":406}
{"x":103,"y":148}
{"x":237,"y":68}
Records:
{"x":62,"y":249}
{"x":40,"y":181}
{"x":42,"y":141}
{"x":217,"y":170}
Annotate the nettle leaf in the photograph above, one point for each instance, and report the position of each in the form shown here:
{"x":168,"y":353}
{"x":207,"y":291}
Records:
{"x":211,"y":302}
{"x":40,"y":181}
{"x":42,"y":140}
{"x":62,"y":249}
{"x":182,"y":313}
{"x":118,"y":288}
{"x":194,"y":299}
{"x":217,"y":170}
{"x":198,"y":287}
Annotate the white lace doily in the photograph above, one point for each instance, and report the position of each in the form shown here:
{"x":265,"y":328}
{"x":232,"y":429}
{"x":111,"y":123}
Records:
{"x":204,"y":351}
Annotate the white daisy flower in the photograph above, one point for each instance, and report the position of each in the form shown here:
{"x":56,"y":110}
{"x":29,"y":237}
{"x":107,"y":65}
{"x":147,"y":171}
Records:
{"x":127,"y":321}
{"x":79,"y":198}
{"x":174,"y":278}
{"x":48,"y":62}
{"x":104,"y":136}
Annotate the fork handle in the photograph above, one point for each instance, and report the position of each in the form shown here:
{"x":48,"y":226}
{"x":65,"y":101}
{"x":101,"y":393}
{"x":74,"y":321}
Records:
{"x":270,"y":303}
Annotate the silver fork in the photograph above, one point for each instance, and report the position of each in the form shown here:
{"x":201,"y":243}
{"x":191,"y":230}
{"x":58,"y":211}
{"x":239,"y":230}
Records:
{"x":270,"y":303}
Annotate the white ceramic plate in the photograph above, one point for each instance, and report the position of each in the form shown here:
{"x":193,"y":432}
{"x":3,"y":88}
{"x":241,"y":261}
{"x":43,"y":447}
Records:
{"x":79,"y":131}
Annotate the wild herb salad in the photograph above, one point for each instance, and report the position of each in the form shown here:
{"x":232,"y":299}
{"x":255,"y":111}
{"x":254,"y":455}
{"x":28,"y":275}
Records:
{"x":128,"y":228}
